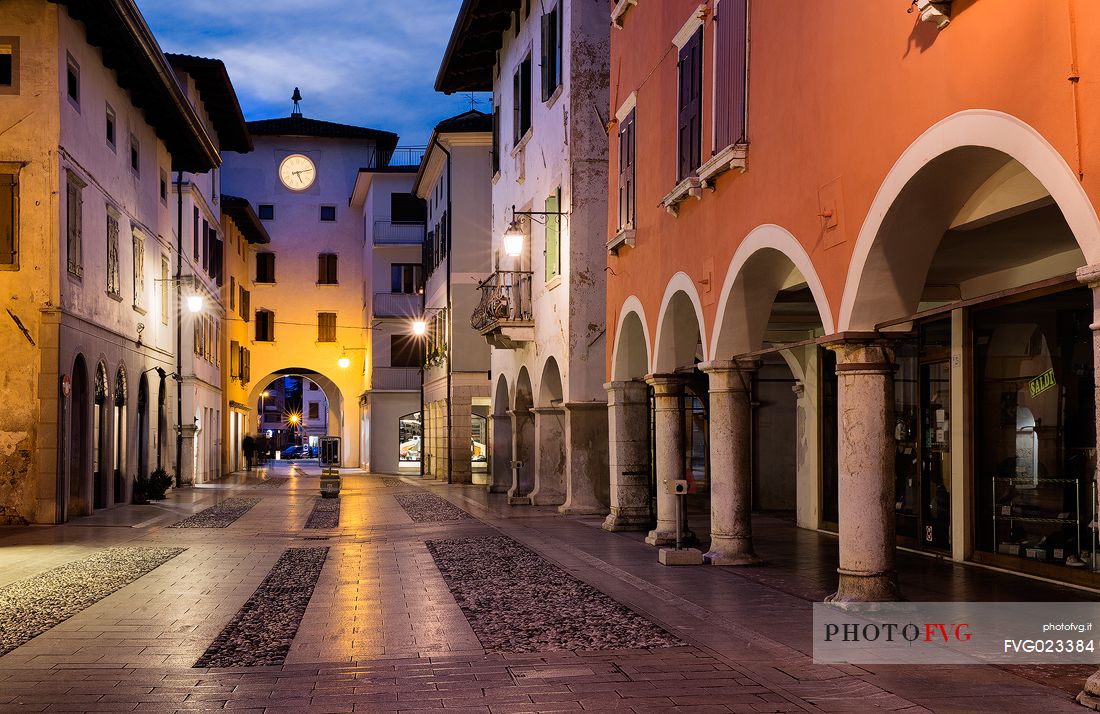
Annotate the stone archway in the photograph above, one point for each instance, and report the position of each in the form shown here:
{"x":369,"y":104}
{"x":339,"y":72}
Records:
{"x":78,"y":478}
{"x":502,"y":438}
{"x":101,"y":462}
{"x":524,"y":450}
{"x":143,"y":428}
{"x":550,"y":466}
{"x":121,"y":437}
{"x":336,"y":424}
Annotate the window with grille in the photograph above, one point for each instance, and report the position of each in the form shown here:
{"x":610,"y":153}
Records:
{"x":139,"y":270}
{"x":326,"y":269}
{"x":326,"y":327}
{"x":74,"y":218}
{"x":113,"y":288}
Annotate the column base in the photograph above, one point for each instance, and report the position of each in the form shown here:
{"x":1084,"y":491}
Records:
{"x":1090,"y":697}
{"x":546,"y":499}
{"x":624,"y":520}
{"x":668,"y":537}
{"x":725,"y":550}
{"x":519,"y":500}
{"x":866,"y":587}
{"x":494,"y":488}
{"x":580,"y":510}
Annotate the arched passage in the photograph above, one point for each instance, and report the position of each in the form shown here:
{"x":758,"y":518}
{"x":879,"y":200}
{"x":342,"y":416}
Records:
{"x":550,"y":426}
{"x":502,"y":438}
{"x":967,"y":262}
{"x":80,"y":442}
{"x":101,"y":461}
{"x":292,"y":420}
{"x":143,"y":428}
{"x":121,"y":435}
{"x":524,"y":450}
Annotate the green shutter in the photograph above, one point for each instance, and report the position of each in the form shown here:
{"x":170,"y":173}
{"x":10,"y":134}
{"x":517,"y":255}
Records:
{"x":553,"y":236}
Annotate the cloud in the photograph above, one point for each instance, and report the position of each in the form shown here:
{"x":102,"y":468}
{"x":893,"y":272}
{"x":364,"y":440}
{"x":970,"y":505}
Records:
{"x":367,"y":62}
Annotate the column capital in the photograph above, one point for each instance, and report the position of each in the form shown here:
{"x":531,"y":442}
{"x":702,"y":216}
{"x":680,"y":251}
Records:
{"x":631,"y":392}
{"x":583,"y":406}
{"x":799,"y":390}
{"x":670,"y":383}
{"x":864,"y":356}
{"x":549,"y":410}
{"x":1089,"y":275}
{"x":729,"y":365}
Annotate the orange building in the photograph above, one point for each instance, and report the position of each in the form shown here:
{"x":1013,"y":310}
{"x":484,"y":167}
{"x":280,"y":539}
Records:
{"x":853,"y":254}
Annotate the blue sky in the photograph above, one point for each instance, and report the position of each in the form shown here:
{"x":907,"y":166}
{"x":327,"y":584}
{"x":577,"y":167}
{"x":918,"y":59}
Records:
{"x":365,"y":62}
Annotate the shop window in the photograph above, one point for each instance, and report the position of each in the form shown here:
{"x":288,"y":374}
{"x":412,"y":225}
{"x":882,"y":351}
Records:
{"x":409,"y":429}
{"x":1034,"y":431}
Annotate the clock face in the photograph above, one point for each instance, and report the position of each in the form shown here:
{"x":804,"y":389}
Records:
{"x":297,"y":172}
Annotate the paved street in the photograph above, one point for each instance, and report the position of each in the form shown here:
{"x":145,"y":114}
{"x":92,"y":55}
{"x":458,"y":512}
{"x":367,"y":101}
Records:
{"x":428,"y":597}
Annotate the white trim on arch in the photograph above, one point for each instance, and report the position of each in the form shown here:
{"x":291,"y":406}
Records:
{"x":777,"y":238}
{"x":980,"y":128}
{"x":632,"y":305}
{"x":680,"y":282}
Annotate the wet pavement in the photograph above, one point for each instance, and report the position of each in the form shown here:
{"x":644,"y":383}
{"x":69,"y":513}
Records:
{"x":374,"y":625}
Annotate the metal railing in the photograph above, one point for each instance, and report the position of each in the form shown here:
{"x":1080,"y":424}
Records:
{"x":402,"y":378}
{"x":505,"y":297}
{"x":396,"y":305}
{"x":402,"y":156}
{"x":388,"y":233}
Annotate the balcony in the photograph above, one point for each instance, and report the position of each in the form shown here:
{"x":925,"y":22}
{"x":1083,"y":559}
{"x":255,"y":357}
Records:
{"x":396,"y":304}
{"x":403,"y":158}
{"x":505,"y":317}
{"x":386,"y":232}
{"x":395,"y":379}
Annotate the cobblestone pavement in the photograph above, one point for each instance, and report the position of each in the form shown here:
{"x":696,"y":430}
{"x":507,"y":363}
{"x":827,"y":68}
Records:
{"x":429,"y":508}
{"x":325,"y":514}
{"x":222,"y":515}
{"x":383,"y":632}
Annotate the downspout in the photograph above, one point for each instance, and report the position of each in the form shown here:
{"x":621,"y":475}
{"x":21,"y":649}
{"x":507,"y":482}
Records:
{"x":179,"y":326}
{"x":1075,"y":81}
{"x":423,"y":305}
{"x":450,"y":315}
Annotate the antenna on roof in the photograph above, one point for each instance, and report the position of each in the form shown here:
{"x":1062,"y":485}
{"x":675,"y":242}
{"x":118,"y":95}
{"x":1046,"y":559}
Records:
{"x":296,"y":98}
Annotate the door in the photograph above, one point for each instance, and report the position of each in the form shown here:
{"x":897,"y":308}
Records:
{"x":935,"y":455}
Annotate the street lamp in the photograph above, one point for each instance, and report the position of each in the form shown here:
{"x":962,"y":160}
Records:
{"x":194,"y":303}
{"x":344,"y":362}
{"x":420,"y":327}
{"x":513,"y":239}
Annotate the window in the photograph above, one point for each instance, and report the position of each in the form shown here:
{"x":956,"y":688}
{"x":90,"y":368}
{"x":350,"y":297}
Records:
{"x":111,"y":123}
{"x":314,"y":410}
{"x":206,"y":245}
{"x":139,"y":270}
{"x":626,"y":171}
{"x":406,"y":351}
{"x":551,"y":51}
{"x":74,"y":216}
{"x":265,"y":267}
{"x":730,"y":73}
{"x":521,"y":100}
{"x":135,"y":155}
{"x":113,"y":288}
{"x":72,"y":82}
{"x":689,"y":101}
{"x":165,"y":274}
{"x":405,"y":278}
{"x":163,"y":187}
{"x":328,"y":213}
{"x":234,"y":359}
{"x":195,"y":230}
{"x":407,"y":208}
{"x":265,"y":326}
{"x":496,"y":140}
{"x":244,"y":303}
{"x":443,"y":235}
{"x":429,"y":250}
{"x":266,"y":211}
{"x":9,"y":65}
{"x":313,"y":386}
{"x":553,"y":236}
{"x":232,"y":293}
{"x":326,"y":269}
{"x":9,"y":219}
{"x":326,"y":327}
{"x":245,"y":365}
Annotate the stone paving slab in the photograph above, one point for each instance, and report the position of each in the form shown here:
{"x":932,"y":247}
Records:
{"x":221,"y":515}
{"x":32,"y":606}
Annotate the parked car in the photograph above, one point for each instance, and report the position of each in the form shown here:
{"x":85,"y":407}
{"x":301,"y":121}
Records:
{"x":297,"y":452}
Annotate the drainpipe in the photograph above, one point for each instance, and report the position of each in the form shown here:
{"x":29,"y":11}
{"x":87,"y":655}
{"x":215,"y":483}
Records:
{"x":450,"y":314}
{"x":179,"y":325}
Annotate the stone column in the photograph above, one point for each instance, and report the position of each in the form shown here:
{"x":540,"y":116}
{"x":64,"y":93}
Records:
{"x":502,"y":453}
{"x":523,"y":453}
{"x":628,"y":453}
{"x":461,"y":410}
{"x":668,"y":451}
{"x":1090,"y":276}
{"x":550,"y":457}
{"x":730,"y":463}
{"x":586,"y":480}
{"x":865,"y":379}
{"x":187,"y":455}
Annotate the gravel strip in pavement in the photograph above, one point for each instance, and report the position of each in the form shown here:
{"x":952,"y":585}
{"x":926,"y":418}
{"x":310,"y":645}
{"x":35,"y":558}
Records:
{"x":429,"y":508}
{"x":517,"y":601}
{"x":263,"y":629}
{"x":325,"y":514}
{"x":390,"y":481}
{"x":30,"y":607}
{"x":221,"y":515}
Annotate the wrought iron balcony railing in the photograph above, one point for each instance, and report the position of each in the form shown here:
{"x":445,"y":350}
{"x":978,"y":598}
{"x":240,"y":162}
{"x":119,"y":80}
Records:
{"x":505,"y":297}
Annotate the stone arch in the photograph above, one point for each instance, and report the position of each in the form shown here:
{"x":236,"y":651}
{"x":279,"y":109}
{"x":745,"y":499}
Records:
{"x":767,"y":261}
{"x":550,"y":438}
{"x":501,"y":436}
{"x":524,"y":395}
{"x":630,"y":355}
{"x":950,"y":160}
{"x":681,"y":334}
{"x":78,"y":478}
{"x":143,"y":429}
{"x":121,"y":436}
{"x":524,"y":448}
{"x":550,"y":387}
{"x":333,"y":394}
{"x":101,"y":461}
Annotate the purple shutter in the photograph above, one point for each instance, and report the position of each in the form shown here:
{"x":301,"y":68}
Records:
{"x":690,"y":70}
{"x":731,"y":24}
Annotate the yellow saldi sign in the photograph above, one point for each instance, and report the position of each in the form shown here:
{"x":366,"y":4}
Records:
{"x":1041,"y":383}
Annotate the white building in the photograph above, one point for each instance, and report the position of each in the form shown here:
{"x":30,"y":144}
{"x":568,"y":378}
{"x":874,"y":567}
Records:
{"x":454,"y":182}
{"x":543,"y":309}
{"x":87,"y":253}
{"x":389,"y":407}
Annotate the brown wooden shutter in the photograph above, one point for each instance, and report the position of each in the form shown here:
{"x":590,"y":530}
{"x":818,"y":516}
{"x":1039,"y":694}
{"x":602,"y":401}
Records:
{"x":689,"y":109}
{"x":730,"y":75}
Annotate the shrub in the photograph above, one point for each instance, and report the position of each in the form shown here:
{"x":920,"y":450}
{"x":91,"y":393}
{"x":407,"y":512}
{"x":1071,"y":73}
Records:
{"x":159,"y":482}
